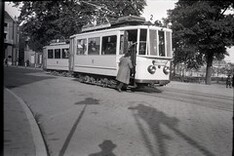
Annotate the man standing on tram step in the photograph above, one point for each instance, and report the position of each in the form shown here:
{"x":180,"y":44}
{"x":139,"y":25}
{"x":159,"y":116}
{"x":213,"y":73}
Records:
{"x":125,"y":66}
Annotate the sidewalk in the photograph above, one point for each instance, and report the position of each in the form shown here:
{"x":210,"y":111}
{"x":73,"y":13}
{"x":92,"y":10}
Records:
{"x":21,"y":133}
{"x":30,"y":67}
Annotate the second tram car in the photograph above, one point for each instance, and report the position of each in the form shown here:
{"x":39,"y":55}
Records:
{"x":55,"y":56}
{"x":96,"y":51}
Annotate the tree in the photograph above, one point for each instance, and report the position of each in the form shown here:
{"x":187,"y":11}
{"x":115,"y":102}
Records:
{"x":201,"y":32}
{"x":47,"y":20}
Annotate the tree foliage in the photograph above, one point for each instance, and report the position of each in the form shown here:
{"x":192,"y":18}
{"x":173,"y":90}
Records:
{"x":47,"y":20}
{"x":201,"y":32}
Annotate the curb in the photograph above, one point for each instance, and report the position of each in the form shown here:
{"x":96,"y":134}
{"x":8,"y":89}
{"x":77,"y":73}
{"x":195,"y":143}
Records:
{"x":23,"y":67}
{"x":39,"y":143}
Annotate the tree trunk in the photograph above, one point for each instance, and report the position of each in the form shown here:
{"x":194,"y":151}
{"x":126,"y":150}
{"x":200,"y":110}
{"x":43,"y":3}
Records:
{"x":209,"y":68}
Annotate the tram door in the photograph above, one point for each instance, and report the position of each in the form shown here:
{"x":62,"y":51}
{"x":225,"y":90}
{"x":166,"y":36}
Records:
{"x":130,"y":45}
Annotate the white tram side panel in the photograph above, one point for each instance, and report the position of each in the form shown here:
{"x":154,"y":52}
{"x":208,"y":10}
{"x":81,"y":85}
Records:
{"x":96,"y":54}
{"x":157,"y":53}
{"x":56,"y":56}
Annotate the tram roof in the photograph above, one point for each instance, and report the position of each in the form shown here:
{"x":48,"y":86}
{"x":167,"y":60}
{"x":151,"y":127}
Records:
{"x":128,"y":22}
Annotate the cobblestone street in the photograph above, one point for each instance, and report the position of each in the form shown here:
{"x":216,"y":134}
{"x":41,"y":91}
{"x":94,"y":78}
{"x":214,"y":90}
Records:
{"x":179,"y":119}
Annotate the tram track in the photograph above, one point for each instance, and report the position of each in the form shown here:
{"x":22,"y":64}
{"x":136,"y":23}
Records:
{"x":199,"y":93}
{"x":192,"y":97}
{"x":210,"y":101}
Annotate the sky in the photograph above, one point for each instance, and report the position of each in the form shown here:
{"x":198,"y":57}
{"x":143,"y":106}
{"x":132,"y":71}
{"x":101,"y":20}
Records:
{"x":155,"y":9}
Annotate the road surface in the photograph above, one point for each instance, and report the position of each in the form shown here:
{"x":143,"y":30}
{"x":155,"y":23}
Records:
{"x":78,"y":119}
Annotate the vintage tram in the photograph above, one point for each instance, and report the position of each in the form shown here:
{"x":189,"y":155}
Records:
{"x":95,"y":52}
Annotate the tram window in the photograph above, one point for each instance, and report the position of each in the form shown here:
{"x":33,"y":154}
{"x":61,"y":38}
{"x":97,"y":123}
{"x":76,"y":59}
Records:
{"x":109,"y":45}
{"x":81,"y":47}
{"x":132,"y":37}
{"x":127,"y":40}
{"x":94,"y":46}
{"x":168,"y":41}
{"x":142,"y":46}
{"x":65,"y":53}
{"x":161,"y":43}
{"x":121,"y":50}
{"x":57,"y":53}
{"x":50,"y":53}
{"x":153,"y":42}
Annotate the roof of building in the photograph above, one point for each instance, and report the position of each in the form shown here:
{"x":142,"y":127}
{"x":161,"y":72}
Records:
{"x":9,"y":16}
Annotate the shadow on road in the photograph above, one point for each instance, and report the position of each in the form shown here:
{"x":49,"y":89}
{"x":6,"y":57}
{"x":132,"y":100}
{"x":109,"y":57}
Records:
{"x":107,"y":147}
{"x":154,"y":120}
{"x":86,"y":102}
{"x":16,"y":77}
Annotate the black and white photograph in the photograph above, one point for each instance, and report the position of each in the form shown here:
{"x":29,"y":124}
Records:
{"x":117,"y":77}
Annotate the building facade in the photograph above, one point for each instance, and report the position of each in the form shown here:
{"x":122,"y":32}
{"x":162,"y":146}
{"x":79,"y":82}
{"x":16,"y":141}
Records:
{"x":11,"y":40}
{"x":32,"y":58}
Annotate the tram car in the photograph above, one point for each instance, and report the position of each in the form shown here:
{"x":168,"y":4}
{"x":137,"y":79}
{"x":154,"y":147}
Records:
{"x":95,"y":52}
{"x":55,"y":56}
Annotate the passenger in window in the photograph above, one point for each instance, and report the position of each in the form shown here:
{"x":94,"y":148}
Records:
{"x":66,"y":53}
{"x":125,"y":66}
{"x":92,"y":47}
{"x":110,"y":49}
{"x":142,"y":49}
{"x":84,"y":49}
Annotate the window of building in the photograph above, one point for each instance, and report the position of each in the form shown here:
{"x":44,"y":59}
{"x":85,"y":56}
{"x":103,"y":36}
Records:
{"x":81,"y":47}
{"x":65,"y":53}
{"x":94,"y":46}
{"x":50,"y":53}
{"x":5,"y":24}
{"x":57,"y":53}
{"x":109,"y":45}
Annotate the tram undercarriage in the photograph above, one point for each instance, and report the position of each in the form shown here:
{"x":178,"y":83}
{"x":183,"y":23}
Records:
{"x":107,"y":81}
{"x":111,"y":82}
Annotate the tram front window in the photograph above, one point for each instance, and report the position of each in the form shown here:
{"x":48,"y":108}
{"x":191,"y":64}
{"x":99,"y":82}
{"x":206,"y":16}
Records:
{"x":142,"y":46}
{"x":161,"y":43}
{"x":168,"y":41}
{"x":153,"y":42}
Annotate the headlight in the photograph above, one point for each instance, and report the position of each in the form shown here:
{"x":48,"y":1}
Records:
{"x":166,"y":70}
{"x":151,"y":69}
